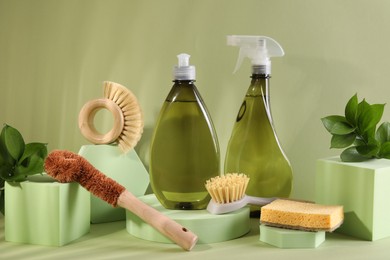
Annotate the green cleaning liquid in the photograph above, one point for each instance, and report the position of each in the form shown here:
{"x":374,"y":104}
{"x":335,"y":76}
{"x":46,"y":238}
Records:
{"x":184,"y":149}
{"x":254,"y":148}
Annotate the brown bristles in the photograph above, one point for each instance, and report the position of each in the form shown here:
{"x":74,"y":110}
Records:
{"x":65,"y":166}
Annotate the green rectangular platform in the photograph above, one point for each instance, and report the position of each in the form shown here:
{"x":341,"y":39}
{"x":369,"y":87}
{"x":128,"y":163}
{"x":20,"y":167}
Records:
{"x":363,"y":189}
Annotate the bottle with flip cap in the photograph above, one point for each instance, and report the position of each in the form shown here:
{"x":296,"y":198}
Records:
{"x":184,"y":149}
{"x":254,"y":148}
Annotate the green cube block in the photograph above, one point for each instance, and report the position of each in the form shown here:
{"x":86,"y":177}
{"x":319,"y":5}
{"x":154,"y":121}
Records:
{"x":44,"y":212}
{"x":288,"y":238}
{"x":126,"y":169}
{"x":363,"y":189}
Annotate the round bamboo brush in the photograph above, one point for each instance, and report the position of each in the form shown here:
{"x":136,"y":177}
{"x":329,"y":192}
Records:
{"x":66,"y":166}
{"x":228,"y":193}
{"x":128,"y":119}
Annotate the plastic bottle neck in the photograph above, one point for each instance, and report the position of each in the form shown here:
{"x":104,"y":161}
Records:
{"x":184,"y":81}
{"x":260,"y":76}
{"x":259,"y":86}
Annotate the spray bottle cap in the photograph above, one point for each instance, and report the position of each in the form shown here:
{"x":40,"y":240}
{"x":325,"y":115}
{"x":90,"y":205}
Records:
{"x":184,"y":71}
{"x":259,"y":49}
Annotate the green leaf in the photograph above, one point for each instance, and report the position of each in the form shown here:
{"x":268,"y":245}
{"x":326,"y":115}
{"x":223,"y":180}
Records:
{"x":369,"y":136}
{"x":352,"y":155}
{"x":7,"y":173}
{"x":369,"y":150}
{"x":384,"y":151}
{"x":342,"y":141}
{"x":32,"y":165}
{"x":337,"y":125}
{"x":351,"y":110}
{"x":32,"y":160}
{"x":38,"y":149}
{"x":369,"y":115}
{"x":342,"y":128}
{"x":383,"y":133}
{"x":5,"y":157}
{"x":12,"y":142}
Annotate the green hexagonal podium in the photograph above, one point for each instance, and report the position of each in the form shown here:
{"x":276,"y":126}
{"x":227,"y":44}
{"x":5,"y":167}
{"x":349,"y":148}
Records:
{"x":42,"y":211}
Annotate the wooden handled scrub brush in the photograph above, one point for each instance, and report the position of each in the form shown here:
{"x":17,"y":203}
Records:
{"x":228,"y":193}
{"x":66,"y":166}
{"x":128,"y":120}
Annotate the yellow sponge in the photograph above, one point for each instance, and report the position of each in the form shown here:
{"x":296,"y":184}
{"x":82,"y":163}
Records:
{"x":302,"y":215}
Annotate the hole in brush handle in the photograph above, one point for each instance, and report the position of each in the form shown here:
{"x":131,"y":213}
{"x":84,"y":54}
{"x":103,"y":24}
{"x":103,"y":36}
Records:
{"x":165,"y":225}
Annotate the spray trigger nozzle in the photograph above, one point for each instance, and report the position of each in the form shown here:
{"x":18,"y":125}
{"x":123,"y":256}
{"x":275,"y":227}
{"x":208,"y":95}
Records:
{"x":259,"y":49}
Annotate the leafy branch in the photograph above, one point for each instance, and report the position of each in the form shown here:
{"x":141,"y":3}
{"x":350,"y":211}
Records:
{"x":357,"y":131}
{"x":17,"y":159}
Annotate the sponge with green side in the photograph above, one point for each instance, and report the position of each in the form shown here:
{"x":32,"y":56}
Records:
{"x":302,"y":215}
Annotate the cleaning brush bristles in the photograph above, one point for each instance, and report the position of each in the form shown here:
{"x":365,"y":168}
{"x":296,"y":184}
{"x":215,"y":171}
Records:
{"x":227,"y":188}
{"x":128,"y":119}
{"x":133,"y":119}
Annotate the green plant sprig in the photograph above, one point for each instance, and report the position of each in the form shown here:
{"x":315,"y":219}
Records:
{"x":17,"y":159}
{"x":357,"y":131}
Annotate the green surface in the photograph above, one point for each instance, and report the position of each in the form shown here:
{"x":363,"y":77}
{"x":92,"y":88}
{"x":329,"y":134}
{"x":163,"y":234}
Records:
{"x":363,"y":189}
{"x":209,"y":228}
{"x":112,"y":241}
{"x":46,"y":213}
{"x":287,"y":238}
{"x":127,"y":169}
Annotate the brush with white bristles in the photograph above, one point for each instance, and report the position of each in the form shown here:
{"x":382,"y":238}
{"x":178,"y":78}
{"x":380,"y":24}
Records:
{"x":133,"y":119}
{"x":228,"y":193}
{"x":128,"y":120}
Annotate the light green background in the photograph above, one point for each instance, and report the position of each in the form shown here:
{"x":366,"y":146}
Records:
{"x":54,"y":56}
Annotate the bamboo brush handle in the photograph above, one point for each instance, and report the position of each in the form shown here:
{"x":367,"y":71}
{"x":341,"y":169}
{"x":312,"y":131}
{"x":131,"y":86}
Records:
{"x":87,"y":125}
{"x":166,"y":226}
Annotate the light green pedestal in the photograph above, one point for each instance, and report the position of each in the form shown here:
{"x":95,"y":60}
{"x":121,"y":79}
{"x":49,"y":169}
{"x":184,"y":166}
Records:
{"x":287,"y":238}
{"x":44,"y":212}
{"x":126,"y":169}
{"x":209,"y":228}
{"x":364,"y":190}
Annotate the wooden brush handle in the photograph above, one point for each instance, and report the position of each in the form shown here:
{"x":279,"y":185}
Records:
{"x":166,"y":226}
{"x":87,"y":124}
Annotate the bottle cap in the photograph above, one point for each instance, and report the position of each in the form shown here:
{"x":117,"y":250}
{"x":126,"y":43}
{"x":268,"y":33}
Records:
{"x":184,"y":71}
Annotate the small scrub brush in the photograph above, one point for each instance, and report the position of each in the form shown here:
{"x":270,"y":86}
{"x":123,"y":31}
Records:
{"x":128,"y":119}
{"x":65,"y":166}
{"x":228,"y":193}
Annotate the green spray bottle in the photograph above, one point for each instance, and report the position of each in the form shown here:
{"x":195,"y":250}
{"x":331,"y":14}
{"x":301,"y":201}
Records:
{"x":184,"y":149}
{"x":254,"y":148}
